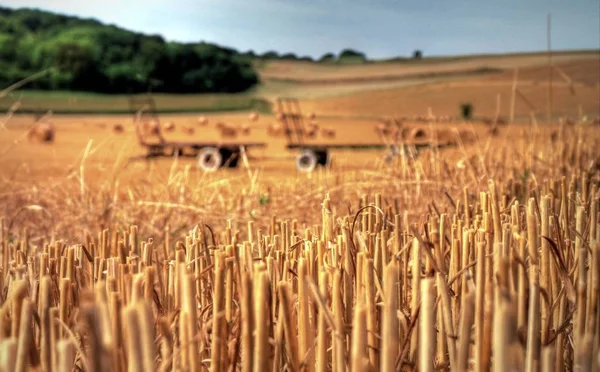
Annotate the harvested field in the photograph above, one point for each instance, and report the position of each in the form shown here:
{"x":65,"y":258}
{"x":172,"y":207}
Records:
{"x":483,"y":255}
{"x":428,"y":261}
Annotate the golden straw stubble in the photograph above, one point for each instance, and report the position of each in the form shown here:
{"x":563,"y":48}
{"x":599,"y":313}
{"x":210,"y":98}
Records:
{"x":390,"y":336}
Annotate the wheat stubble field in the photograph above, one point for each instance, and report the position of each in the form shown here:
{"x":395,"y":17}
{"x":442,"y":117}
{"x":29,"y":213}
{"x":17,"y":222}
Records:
{"x":483,"y":256}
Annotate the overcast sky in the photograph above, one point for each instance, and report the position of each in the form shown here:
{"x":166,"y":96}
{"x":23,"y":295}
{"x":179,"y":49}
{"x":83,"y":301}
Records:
{"x":380,"y":28}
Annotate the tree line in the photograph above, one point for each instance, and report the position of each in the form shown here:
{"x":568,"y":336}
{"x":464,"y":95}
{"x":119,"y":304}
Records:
{"x":84,"y":54}
{"x":87,"y":55}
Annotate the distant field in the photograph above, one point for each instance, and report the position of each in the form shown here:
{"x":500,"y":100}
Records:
{"x":306,"y":72}
{"x":91,"y":103}
{"x":446,"y":98}
{"x":396,"y":87}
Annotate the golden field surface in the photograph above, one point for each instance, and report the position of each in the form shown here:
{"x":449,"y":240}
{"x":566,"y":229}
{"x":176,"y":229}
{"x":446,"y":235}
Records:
{"x":480,"y":256}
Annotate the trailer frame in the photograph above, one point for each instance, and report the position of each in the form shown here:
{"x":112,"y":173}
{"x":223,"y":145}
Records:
{"x":211,"y":154}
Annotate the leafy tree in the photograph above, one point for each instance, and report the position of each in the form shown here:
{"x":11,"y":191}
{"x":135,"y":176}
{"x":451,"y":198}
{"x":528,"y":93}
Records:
{"x":270,"y":55}
{"x":417,"y":54}
{"x":352,"y":54}
{"x":327,"y":57}
{"x":78,"y":61}
{"x":87,"y":55}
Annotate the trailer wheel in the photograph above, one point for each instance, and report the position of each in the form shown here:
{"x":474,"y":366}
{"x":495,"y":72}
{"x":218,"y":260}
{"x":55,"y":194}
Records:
{"x":230,"y":158}
{"x":306,"y":161}
{"x":209,"y":159}
{"x":323,"y":158}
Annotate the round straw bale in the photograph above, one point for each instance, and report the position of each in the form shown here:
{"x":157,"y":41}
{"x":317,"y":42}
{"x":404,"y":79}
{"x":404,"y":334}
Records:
{"x":118,"y":128}
{"x":245,"y":129}
{"x":328,"y":132}
{"x":418,"y":134}
{"x":169,"y":126}
{"x":154,"y":128}
{"x":202,"y":121}
{"x":43,"y":132}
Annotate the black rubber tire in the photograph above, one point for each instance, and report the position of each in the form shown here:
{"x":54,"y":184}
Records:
{"x":210,"y":159}
{"x":230,"y":158}
{"x":323,"y":158}
{"x":306,"y":161}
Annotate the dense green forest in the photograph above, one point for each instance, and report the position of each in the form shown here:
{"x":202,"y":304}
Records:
{"x":86,"y":55}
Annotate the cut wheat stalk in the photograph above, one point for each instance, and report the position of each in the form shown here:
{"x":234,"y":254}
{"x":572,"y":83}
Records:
{"x":25,"y":336}
{"x":8,"y":354}
{"x":390,"y":336}
{"x":427,"y":326}
{"x":323,"y":339}
{"x":261,"y":343}
{"x":532,"y":357}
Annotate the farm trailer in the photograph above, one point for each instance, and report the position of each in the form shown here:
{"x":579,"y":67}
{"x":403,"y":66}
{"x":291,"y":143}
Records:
{"x":313,"y":155}
{"x":214,"y":155}
{"x":211,"y":155}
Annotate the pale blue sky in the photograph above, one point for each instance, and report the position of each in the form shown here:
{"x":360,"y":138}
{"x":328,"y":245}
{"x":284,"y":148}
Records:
{"x":380,"y":28}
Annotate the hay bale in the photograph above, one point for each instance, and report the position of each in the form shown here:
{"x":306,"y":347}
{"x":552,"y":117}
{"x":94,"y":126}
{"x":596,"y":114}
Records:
{"x":311,"y":133}
{"x":311,"y":130}
{"x":275,"y":130}
{"x":311,"y":116}
{"x":253,"y":116}
{"x":42,"y":132}
{"x":245,"y":129}
{"x":227,"y":131}
{"x":467,"y":136}
{"x":384,"y":129}
{"x":328,"y":132}
{"x":279,"y":117}
{"x":494,"y":131}
{"x":189,"y":131}
{"x":169,"y":126}
{"x":405,"y":133}
{"x":445,"y":137}
{"x":118,"y":128}
{"x":152,"y":128}
{"x":202,"y":121}
{"x":418,"y":134}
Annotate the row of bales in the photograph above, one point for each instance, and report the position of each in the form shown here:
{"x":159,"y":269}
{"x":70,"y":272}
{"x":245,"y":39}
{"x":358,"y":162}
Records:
{"x":44,"y":131}
{"x":310,"y":129}
{"x":154,"y":128}
{"x":395,"y":130}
